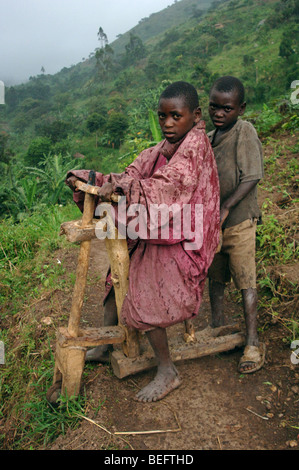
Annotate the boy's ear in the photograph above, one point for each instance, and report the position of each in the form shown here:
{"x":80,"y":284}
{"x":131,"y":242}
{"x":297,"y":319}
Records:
{"x":242,"y":108}
{"x":197,"y":115}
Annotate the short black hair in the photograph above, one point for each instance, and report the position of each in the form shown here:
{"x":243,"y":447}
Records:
{"x":227,"y":84}
{"x":183,"y":90}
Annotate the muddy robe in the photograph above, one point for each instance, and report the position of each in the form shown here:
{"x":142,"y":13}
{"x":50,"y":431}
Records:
{"x":166,"y":280}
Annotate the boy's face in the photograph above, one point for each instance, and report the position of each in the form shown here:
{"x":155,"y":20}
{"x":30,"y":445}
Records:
{"x":225,"y":108}
{"x":176,"y":118}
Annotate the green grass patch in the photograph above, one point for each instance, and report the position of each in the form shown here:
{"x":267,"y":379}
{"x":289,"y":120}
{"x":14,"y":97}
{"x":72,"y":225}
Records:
{"x":29,"y":270}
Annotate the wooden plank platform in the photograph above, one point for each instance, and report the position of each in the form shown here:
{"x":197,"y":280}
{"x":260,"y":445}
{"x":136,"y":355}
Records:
{"x":91,"y":337}
{"x":209,"y":341}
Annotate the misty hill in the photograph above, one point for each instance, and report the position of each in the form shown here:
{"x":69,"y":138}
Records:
{"x":99,"y":105}
{"x":158,"y":23}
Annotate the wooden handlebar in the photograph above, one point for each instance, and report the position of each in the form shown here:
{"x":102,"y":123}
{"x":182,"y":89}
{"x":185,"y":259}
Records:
{"x":88,"y":188}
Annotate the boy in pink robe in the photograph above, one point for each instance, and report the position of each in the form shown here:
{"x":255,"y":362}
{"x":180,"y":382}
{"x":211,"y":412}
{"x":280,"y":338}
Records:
{"x":167,"y":275}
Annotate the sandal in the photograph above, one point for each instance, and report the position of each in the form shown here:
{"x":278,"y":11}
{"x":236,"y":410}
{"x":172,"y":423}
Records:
{"x":253,"y":355}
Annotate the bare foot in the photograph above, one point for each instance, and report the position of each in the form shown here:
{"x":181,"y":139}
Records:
{"x":98,"y":354}
{"x":166,"y":380}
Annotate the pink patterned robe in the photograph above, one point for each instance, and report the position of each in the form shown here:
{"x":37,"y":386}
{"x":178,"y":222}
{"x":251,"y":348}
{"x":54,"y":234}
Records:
{"x":166,"y":280}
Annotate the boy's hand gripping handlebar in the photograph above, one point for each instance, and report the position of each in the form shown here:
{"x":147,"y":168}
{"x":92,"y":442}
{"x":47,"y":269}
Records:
{"x":88,"y":188}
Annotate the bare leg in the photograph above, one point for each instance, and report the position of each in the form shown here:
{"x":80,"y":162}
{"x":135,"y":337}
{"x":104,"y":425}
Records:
{"x":167,"y":378}
{"x":254,"y":352}
{"x":101,"y":353}
{"x":249,"y":297}
{"x":216,"y":293}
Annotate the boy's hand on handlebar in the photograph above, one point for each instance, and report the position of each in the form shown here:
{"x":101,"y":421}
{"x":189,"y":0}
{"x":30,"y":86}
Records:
{"x":71,"y":182}
{"x":105,"y":192}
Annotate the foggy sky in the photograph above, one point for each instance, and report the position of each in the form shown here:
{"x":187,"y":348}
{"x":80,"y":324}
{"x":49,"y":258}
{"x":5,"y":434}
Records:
{"x":58,"y":33}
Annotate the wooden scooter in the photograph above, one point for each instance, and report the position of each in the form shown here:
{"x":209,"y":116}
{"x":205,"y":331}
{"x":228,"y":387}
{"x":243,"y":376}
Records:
{"x":134,"y":355}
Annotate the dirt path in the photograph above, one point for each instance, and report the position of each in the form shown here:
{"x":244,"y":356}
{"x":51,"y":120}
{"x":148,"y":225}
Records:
{"x":215,"y":407}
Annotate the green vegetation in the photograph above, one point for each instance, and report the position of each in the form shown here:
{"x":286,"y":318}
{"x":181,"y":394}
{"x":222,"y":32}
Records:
{"x":29,"y":274}
{"x":75,"y":110}
{"x":277,"y":246}
{"x":100,"y":114}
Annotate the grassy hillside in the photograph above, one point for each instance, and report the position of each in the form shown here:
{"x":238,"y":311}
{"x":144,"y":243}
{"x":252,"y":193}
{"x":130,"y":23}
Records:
{"x":157,"y":23}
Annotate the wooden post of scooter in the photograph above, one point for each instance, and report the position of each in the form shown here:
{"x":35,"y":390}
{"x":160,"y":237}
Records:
{"x":82,"y":267}
{"x":117,"y":250}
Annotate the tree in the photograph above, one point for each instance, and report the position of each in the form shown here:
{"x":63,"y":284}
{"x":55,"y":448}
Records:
{"x":285,"y":49}
{"x":102,"y":37}
{"x":117,"y":103}
{"x":135,"y":49}
{"x":38,"y":148}
{"x":196,"y":12}
{"x":104,"y":61}
{"x":116,"y":127}
{"x":56,"y":130}
{"x":4,"y":151}
{"x":248,"y":60}
{"x":95,"y":121}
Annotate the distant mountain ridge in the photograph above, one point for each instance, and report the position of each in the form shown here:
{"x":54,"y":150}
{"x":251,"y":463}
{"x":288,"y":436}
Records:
{"x":159,"y":22}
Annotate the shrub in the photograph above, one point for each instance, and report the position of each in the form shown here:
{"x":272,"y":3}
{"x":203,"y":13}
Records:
{"x":39,"y":147}
{"x":116,"y":127}
{"x":95,"y":121}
